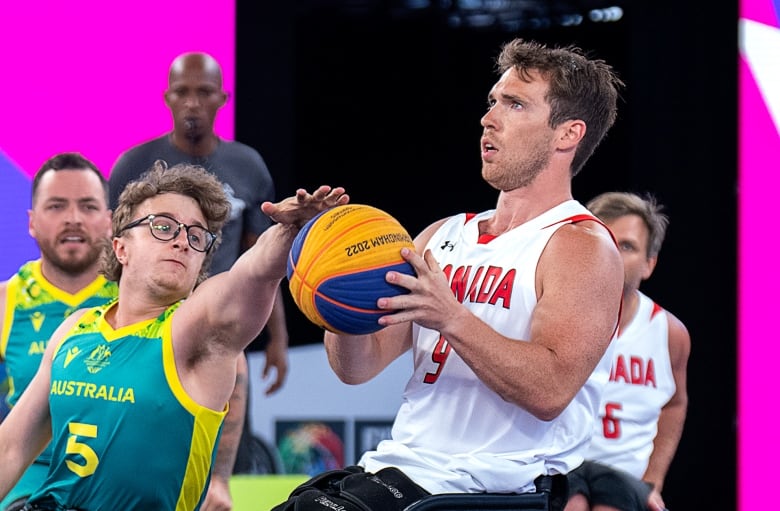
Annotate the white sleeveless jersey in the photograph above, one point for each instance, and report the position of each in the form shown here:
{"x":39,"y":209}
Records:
{"x":453,"y":433}
{"x":640,"y":384}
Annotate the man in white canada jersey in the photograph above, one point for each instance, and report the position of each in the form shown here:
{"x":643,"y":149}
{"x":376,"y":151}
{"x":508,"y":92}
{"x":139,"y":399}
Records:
{"x":512,"y":310}
{"x":645,"y":401}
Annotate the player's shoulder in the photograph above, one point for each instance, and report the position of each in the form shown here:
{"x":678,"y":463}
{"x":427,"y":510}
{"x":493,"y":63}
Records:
{"x":575,"y":224}
{"x":65,"y":329}
{"x":3,"y":299}
{"x":677,"y":329}
{"x":658,"y":308}
{"x":587,"y":223}
{"x":586,"y":236}
{"x":586,"y":252}
{"x":679,"y":340}
{"x":22,"y":273}
{"x":422,"y":239}
{"x":678,"y":332}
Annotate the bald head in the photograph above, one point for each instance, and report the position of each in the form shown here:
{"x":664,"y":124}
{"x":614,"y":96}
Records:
{"x":196,"y":62}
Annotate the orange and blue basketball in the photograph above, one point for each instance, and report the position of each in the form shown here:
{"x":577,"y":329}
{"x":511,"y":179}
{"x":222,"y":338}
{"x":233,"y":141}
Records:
{"x":337,"y":266}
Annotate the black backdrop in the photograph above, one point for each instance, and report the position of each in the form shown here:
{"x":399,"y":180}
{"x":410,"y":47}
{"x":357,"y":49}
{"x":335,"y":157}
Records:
{"x":388,"y":106}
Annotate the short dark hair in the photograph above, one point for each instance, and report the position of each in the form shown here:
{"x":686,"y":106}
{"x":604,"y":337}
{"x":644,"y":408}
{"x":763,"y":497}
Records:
{"x":67,"y":161}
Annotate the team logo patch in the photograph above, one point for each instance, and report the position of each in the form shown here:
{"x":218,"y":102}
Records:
{"x":98,"y":359}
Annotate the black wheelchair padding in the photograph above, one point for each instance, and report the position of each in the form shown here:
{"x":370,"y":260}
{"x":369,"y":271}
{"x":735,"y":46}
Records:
{"x":550,"y":495}
{"x":353,"y":489}
{"x":482,"y":502}
{"x":389,"y":489}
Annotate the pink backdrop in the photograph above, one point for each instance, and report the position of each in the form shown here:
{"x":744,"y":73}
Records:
{"x":88,"y":76}
{"x":759,"y":280}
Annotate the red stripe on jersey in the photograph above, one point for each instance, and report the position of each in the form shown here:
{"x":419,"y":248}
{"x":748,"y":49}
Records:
{"x":483,"y":238}
{"x":580,"y":218}
{"x":486,"y":238}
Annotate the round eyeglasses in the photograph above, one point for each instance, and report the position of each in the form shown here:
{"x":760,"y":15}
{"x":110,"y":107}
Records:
{"x":165,"y":228}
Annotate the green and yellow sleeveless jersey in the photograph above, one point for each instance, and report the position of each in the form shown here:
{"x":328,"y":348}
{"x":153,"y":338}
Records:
{"x":125,"y":434}
{"x":34,"y":308}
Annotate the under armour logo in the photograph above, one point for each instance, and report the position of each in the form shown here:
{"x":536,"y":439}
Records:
{"x":449,"y":245}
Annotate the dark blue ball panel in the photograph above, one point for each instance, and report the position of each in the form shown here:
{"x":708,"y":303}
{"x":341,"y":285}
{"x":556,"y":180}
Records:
{"x":362,"y":289}
{"x":297,"y":244}
{"x":348,"y":302}
{"x":349,"y":321}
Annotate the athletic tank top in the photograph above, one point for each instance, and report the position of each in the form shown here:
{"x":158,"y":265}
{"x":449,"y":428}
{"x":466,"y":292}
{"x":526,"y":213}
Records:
{"x":34,"y":308}
{"x":125,"y":434}
{"x":640,"y":384}
{"x":453,"y":433}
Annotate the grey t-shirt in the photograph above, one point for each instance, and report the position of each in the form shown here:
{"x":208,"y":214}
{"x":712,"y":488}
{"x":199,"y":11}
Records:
{"x":239,"y":167}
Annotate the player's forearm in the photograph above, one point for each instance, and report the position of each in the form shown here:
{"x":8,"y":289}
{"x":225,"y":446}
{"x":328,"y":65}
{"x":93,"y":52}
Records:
{"x":356,"y":359}
{"x":276,"y":349}
{"x":14,"y":456}
{"x":267,"y":258}
{"x":8,"y":476}
{"x":670,"y":427}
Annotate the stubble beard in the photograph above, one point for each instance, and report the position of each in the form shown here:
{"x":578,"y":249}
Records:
{"x":71,"y":263}
{"x":518,"y":174}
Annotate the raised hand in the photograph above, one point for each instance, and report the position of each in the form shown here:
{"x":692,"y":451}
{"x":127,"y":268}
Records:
{"x":303,"y":206}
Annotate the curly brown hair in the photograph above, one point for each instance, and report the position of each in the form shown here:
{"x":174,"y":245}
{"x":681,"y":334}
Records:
{"x":185,"y":179}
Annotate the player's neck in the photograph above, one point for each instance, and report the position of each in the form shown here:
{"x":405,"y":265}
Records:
{"x":518,"y":206}
{"x":630,"y":306}
{"x":69,"y":282}
{"x":132,"y":308}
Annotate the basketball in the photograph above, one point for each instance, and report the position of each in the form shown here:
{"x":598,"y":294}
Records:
{"x":337,"y":266}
